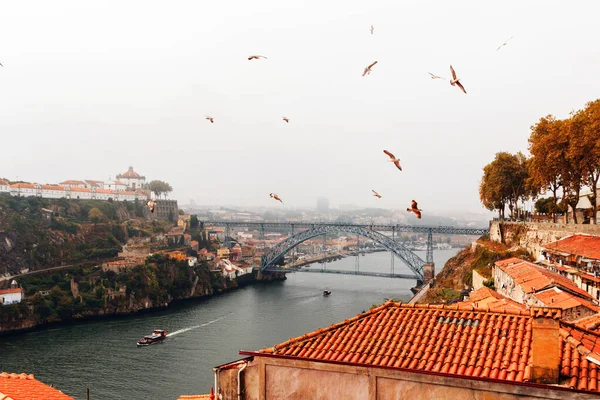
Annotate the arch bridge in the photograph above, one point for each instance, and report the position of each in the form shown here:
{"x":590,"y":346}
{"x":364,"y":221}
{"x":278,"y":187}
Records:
{"x":299,"y":232}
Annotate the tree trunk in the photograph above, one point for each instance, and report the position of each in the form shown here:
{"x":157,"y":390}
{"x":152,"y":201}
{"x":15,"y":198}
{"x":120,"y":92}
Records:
{"x":554,"y":189}
{"x":594,"y":198}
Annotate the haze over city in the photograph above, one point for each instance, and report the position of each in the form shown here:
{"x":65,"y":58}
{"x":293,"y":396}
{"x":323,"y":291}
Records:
{"x":89,"y":89}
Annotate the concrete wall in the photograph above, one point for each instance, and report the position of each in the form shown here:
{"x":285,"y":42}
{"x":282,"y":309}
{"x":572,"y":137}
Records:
{"x":269,"y":378}
{"x":478,"y":280}
{"x":532,"y":235}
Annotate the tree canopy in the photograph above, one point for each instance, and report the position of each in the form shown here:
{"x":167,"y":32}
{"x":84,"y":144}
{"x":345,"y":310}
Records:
{"x":160,"y":188}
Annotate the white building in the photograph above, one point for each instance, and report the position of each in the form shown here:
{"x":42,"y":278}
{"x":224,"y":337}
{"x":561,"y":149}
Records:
{"x":115,"y":185}
{"x":132,"y":179}
{"x":4,"y":186}
{"x":51,"y":191}
{"x":73,"y":183}
{"x":14,"y":295}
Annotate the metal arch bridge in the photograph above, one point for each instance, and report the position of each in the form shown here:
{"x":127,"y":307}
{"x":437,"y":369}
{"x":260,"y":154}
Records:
{"x":372,"y":232}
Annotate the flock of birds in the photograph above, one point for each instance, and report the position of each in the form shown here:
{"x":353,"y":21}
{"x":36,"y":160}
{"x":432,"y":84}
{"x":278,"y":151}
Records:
{"x":454,"y":81}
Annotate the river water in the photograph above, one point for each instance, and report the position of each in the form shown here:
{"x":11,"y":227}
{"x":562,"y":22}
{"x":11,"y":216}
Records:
{"x":102,"y":354}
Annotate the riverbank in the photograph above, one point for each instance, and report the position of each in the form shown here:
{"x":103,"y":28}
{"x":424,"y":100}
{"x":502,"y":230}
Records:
{"x":81,"y":294}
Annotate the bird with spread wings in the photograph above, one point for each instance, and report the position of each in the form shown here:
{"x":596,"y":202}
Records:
{"x":393,"y":159}
{"x":274,"y":196}
{"x":456,"y":81}
{"x":367,"y":70}
{"x":376,"y":194}
{"x":415,"y":209}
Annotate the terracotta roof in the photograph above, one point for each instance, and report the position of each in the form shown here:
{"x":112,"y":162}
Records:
{"x":105,"y":191}
{"x":94,"y":183}
{"x":80,"y":190}
{"x":533,"y":278}
{"x":72,"y":182}
{"x":196,"y":397}
{"x":3,"y":182}
{"x":53,"y":187}
{"x":486,"y":297}
{"x":130,"y":173}
{"x":26,"y":387}
{"x":554,"y":297}
{"x":449,"y":340}
{"x":23,"y":185}
{"x":9,"y":291}
{"x":582,"y":245}
{"x":591,"y":323}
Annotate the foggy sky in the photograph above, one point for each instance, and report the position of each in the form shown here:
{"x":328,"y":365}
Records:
{"x":90,"y":88}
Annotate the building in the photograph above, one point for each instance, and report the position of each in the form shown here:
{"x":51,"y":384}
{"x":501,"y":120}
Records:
{"x":26,"y":387}
{"x":119,"y":266}
{"x":4,"y":186}
{"x":74,"y":183}
{"x":132,"y":179}
{"x":322,"y":205}
{"x":399,"y":351}
{"x":165,"y":210}
{"x":13,"y":295}
{"x":492,"y":300}
{"x":223,"y":253}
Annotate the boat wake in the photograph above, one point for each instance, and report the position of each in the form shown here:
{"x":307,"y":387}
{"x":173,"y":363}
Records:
{"x":195,"y":327}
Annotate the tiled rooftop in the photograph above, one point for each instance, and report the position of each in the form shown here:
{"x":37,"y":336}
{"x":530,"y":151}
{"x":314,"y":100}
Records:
{"x":554,"y":297}
{"x":487,"y":298}
{"x":591,"y":323}
{"x":582,"y":245}
{"x":452,"y":340}
{"x":26,"y":387}
{"x":533,"y":278}
{"x":9,"y":291}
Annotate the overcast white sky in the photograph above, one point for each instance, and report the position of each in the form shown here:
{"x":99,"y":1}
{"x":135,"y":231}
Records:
{"x":90,"y":88}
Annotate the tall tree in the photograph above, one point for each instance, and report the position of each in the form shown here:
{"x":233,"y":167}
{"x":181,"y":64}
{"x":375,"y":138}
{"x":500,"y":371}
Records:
{"x":546,"y":163}
{"x":504,"y":183}
{"x":160,"y":188}
{"x":590,"y":147}
{"x":573,"y":164}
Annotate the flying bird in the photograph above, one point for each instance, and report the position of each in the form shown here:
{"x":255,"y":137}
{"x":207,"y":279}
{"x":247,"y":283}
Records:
{"x":286,"y":119}
{"x":1,"y":65}
{"x":504,"y":44}
{"x":376,"y":194}
{"x":433,"y":76}
{"x":151,"y":203}
{"x":456,"y":81}
{"x":367,"y":70}
{"x":393,"y":159}
{"x":414,"y":208}
{"x":211,"y":119}
{"x":256,"y":57}
{"x":274,"y":196}
{"x":372,"y":29}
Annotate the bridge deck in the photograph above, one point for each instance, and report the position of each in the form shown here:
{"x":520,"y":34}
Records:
{"x":376,"y":227}
{"x":343,"y":272}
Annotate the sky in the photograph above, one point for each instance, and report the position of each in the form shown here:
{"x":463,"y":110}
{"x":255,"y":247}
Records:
{"x":90,"y":88}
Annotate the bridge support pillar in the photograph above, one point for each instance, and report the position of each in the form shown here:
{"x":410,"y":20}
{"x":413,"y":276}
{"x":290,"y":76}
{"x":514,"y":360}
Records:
{"x":428,"y":271}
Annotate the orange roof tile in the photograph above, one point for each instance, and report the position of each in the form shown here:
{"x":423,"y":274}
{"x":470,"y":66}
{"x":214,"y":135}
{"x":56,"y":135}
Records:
{"x":53,"y":187}
{"x":72,"y":182}
{"x":106,"y":191}
{"x":582,"y":245}
{"x":485,"y":293}
{"x":3,"y":182}
{"x":23,"y":185}
{"x":447,"y":339}
{"x":554,"y":297}
{"x":533,"y":278}
{"x":80,"y":190}
{"x":9,"y":291}
{"x":26,"y":387}
{"x":130,"y":173}
{"x":591,"y":323}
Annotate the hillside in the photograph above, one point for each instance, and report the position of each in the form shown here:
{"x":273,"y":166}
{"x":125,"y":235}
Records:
{"x":38,"y":233}
{"x":457,"y":274}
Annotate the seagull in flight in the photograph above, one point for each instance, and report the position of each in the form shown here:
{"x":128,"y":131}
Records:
{"x":274,"y":196}
{"x":433,"y":76}
{"x":211,"y":119}
{"x":504,"y":44}
{"x":1,"y":65}
{"x":367,"y":70}
{"x":286,"y":119}
{"x":456,"y":81}
{"x":372,"y":29}
{"x":151,"y":204}
{"x":256,"y":57}
{"x":393,"y":159}
{"x":376,"y":194}
{"x":413,"y":208}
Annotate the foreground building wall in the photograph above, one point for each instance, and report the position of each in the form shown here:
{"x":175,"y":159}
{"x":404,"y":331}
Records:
{"x":271,"y":378}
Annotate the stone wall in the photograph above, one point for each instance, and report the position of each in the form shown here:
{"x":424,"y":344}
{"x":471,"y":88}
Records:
{"x":533,"y":235}
{"x":478,"y":280}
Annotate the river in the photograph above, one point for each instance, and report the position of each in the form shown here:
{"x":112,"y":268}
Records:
{"x":102,"y":355}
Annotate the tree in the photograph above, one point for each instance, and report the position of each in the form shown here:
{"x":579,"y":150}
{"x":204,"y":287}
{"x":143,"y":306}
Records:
{"x":194,"y":223}
{"x":160,"y":188}
{"x":504,"y":183}
{"x":573,"y":164}
{"x":545,"y":165}
{"x":95,"y":215}
{"x":590,"y":146}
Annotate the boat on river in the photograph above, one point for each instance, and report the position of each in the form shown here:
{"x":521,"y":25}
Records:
{"x":158,"y":335}
{"x":326,"y":292}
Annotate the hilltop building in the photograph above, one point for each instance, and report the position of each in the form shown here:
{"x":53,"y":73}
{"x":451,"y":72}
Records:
{"x":13,"y":295}
{"x":129,"y":186}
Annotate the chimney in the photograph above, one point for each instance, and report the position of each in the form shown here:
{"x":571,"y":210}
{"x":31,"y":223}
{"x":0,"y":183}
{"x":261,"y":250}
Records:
{"x":545,"y":345}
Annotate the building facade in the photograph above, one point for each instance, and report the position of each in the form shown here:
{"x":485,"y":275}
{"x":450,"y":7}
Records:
{"x":132,"y":179}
